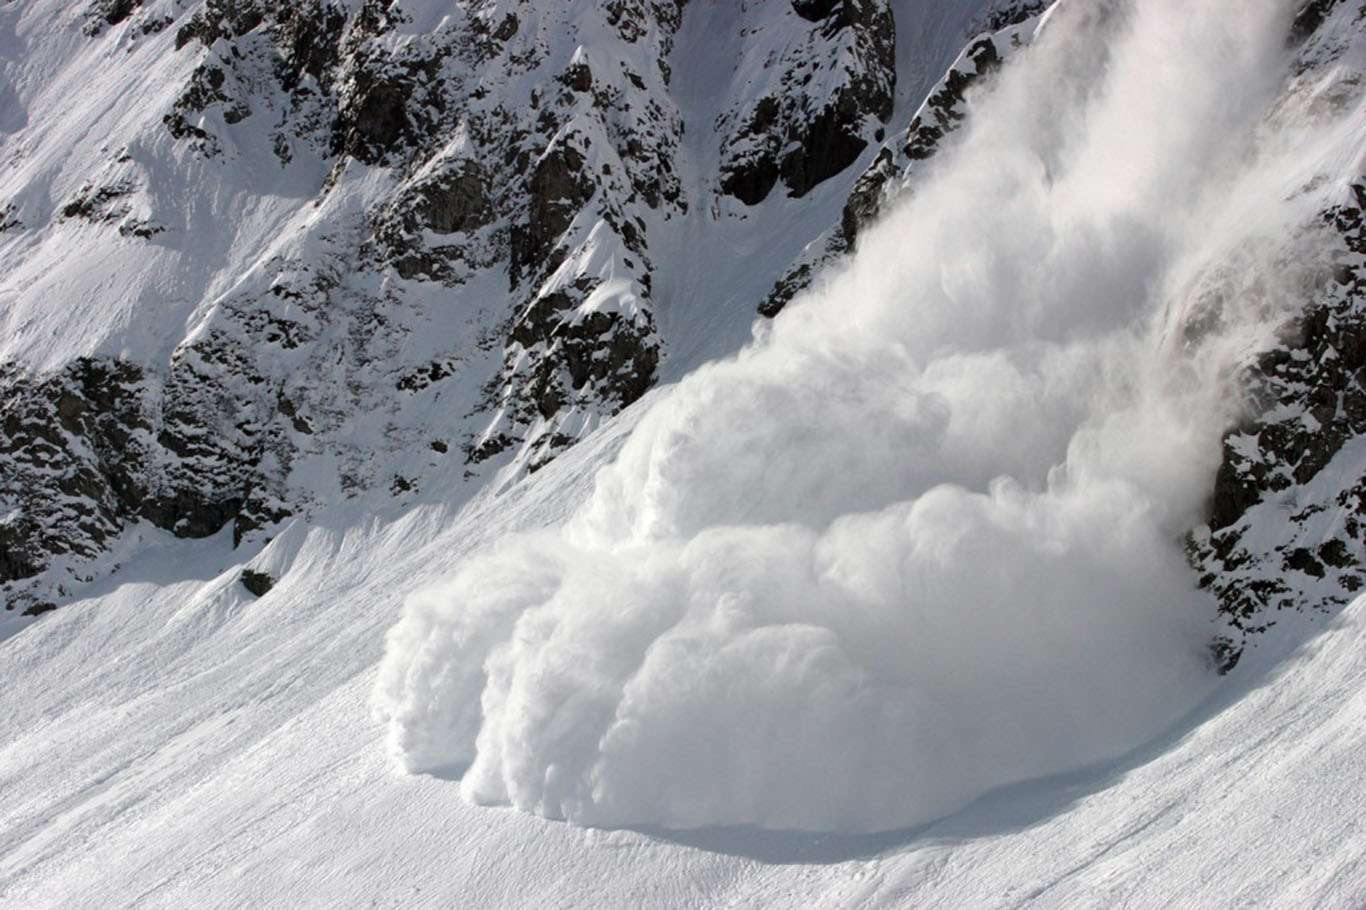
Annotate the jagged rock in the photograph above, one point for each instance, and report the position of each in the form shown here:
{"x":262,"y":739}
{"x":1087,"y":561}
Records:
{"x":751,"y":179}
{"x":1310,"y":17}
{"x":898,"y":163}
{"x":1013,"y":12}
{"x":558,"y":188}
{"x":1264,"y":522}
{"x":815,"y":10}
{"x":98,"y":203}
{"x":943,"y":112}
{"x":101,"y":444}
{"x":809,"y":129}
{"x":258,"y":583}
{"x":112,"y":12}
{"x":459,"y":202}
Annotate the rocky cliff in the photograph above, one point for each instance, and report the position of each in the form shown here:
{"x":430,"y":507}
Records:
{"x":272,"y":256}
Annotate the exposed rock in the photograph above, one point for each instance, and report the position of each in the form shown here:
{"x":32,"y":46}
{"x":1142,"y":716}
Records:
{"x":1269,"y":516}
{"x":815,"y":10}
{"x":258,"y":583}
{"x":115,"y":11}
{"x":559,"y":188}
{"x":102,"y":203}
{"x":898,"y":163}
{"x":1310,"y":18}
{"x":821,"y":115}
{"x":1013,"y":12}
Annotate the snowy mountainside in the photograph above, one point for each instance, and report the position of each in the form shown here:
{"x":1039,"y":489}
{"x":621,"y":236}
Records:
{"x":227,"y":758}
{"x":279,"y":255}
{"x":1011,"y":563}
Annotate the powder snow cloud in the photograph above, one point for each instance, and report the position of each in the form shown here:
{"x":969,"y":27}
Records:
{"x":923,"y":536}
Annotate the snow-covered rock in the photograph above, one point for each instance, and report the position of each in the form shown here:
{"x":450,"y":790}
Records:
{"x":282,"y":254}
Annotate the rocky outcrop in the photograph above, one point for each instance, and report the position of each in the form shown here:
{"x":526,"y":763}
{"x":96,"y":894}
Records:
{"x":1310,"y":18}
{"x":832,"y":95}
{"x":505,"y":157}
{"x":1286,"y":532}
{"x":258,"y":583}
{"x":98,"y":446}
{"x":895,"y":168}
{"x":1287,"y":515}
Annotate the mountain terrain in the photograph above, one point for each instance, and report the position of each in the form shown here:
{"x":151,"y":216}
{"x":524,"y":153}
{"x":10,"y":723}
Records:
{"x":682,"y":453}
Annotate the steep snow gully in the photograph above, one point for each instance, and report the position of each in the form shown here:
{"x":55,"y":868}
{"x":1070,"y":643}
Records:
{"x":891,"y":607}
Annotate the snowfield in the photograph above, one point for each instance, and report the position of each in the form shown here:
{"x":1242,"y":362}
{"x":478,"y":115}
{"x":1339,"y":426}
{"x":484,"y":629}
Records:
{"x":179,"y":743}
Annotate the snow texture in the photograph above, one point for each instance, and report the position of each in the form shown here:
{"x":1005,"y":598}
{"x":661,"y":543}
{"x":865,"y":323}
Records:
{"x":922,"y":538}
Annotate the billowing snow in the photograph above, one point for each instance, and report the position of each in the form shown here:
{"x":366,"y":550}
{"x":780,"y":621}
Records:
{"x":174,"y":742}
{"x":924,"y":537}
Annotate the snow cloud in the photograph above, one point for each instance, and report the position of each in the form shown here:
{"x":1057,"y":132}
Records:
{"x":923,"y":537}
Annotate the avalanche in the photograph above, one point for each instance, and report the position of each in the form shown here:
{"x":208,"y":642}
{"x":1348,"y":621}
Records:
{"x":923,"y":537}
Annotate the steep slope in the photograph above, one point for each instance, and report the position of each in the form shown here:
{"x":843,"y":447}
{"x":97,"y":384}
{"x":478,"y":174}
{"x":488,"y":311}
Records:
{"x":281,"y":254}
{"x":173,"y":740}
{"x":193,"y":726}
{"x":922,"y":538}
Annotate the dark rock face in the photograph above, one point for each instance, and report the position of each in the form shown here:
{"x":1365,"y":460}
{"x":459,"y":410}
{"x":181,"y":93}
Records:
{"x":460,"y":202}
{"x":814,"y":124}
{"x":815,"y":10}
{"x":1310,"y":17}
{"x":258,"y":583}
{"x":383,"y":104}
{"x":115,"y":11}
{"x":103,"y":203}
{"x":101,"y":444}
{"x":1013,"y":12}
{"x":559,"y":189}
{"x":944,"y":111}
{"x":897,"y":163}
{"x":1281,"y":537}
{"x":71,"y":453}
{"x":751,"y":180}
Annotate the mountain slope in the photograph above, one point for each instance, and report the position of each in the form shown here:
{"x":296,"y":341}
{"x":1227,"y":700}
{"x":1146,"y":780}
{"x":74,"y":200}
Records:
{"x":227,"y":757}
{"x":259,"y":343}
{"x":356,"y":250}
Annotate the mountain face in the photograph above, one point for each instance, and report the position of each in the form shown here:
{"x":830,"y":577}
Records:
{"x":839,"y":452}
{"x":280,"y":256}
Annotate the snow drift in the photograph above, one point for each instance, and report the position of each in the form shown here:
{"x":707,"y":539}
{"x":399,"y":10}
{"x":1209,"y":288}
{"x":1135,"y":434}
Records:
{"x":923,"y":537}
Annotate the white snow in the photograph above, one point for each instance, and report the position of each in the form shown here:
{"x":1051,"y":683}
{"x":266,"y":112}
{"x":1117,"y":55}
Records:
{"x":172,"y":742}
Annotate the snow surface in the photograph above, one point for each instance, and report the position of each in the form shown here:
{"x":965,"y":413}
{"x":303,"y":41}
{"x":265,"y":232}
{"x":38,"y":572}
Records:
{"x":175,"y":742}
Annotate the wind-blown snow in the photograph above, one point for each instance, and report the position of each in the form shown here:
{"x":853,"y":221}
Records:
{"x":923,"y":537}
